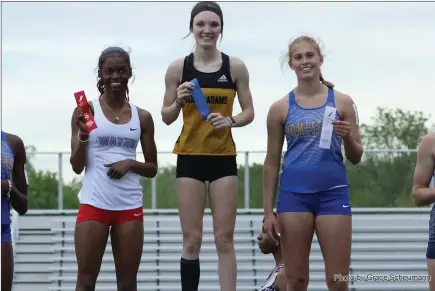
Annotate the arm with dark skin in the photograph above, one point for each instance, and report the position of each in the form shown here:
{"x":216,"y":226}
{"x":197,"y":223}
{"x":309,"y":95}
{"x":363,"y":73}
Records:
{"x":149,"y":148}
{"x":78,"y":148}
{"x":149,"y":168}
{"x":348,"y":128}
{"x":18,"y":195}
{"x":281,"y":281}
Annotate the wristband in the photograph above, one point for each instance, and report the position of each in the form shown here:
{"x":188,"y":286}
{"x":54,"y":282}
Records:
{"x":232,"y":121}
{"x":83,"y":135}
{"x":179,"y":103}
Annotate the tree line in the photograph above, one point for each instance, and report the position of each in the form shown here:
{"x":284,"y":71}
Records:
{"x":382,"y":179}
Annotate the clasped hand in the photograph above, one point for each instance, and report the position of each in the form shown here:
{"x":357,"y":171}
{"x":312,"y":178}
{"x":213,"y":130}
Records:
{"x":341,"y":128}
{"x":118,"y":169}
{"x":218,"y":121}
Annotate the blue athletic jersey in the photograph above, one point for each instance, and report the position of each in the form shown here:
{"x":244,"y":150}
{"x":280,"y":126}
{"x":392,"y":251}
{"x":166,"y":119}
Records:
{"x":7,"y":166}
{"x":307,"y":168}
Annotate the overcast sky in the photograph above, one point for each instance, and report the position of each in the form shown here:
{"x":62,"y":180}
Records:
{"x":381,"y":54}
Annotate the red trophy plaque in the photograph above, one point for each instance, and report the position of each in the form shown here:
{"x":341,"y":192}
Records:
{"x":83,"y":104}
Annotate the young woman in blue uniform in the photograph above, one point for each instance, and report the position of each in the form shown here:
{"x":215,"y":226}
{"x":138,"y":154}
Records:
{"x":14,"y":193}
{"x":314,"y":190}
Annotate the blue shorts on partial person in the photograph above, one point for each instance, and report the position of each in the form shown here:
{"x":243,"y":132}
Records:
{"x":6,"y":233}
{"x":334,"y":201}
{"x":430,"y":251}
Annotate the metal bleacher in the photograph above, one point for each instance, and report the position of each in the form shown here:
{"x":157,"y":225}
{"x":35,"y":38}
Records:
{"x":389,"y":244}
{"x":33,"y":253}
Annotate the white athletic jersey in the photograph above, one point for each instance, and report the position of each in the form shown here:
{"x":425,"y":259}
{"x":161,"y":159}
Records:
{"x":109,"y":143}
{"x":269,"y":284}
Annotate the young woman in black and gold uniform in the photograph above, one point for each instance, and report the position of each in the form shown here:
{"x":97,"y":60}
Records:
{"x":205,"y":148}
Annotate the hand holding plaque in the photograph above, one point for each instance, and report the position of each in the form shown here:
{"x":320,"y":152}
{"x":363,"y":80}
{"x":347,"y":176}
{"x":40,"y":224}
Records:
{"x":84,"y":112}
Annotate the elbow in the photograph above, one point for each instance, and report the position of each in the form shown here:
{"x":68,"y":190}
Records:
{"x":23,"y":211}
{"x":149,"y":172}
{"x":415,"y":197}
{"x":250,"y":116}
{"x":418,"y":204}
{"x":166,"y":118}
{"x":418,"y":201}
{"x":23,"y":208}
{"x":167,"y":121}
{"x":78,"y":169}
{"x":355,"y":158}
{"x":154,"y":171}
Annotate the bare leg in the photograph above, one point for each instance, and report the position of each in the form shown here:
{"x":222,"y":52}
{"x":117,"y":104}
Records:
{"x":223,"y":204}
{"x":297,"y":229}
{"x":191,"y":204}
{"x":127,"y":245}
{"x":335,"y":238}
{"x":431,"y":272}
{"x":90,"y":239}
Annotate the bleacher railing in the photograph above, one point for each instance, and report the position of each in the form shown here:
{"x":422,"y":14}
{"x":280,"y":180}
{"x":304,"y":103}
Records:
{"x":240,"y":211}
{"x":246,"y":156}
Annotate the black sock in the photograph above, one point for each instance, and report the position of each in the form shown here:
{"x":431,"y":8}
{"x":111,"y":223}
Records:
{"x":189,"y":270}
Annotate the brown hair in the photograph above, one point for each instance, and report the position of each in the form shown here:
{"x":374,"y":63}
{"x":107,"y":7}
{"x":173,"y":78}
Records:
{"x":288,"y":55}
{"x":206,"y":6}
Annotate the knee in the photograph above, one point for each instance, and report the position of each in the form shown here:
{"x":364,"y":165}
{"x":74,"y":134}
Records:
{"x":192,"y":243}
{"x":335,"y":284}
{"x":224,"y":242}
{"x":86,"y":282}
{"x":297,"y":282}
{"x":127,"y":285}
{"x":87,"y":286}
